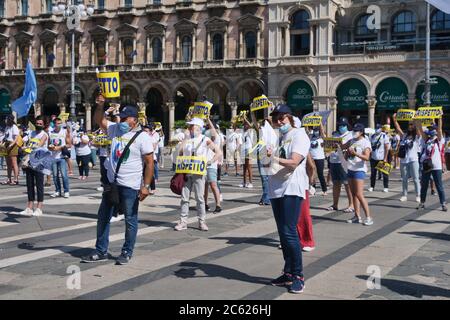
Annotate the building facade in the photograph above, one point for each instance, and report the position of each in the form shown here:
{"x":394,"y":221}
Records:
{"x":169,"y":54}
{"x":310,"y":54}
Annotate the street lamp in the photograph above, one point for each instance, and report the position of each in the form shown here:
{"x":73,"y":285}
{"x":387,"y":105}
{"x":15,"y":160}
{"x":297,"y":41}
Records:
{"x":73,"y":13}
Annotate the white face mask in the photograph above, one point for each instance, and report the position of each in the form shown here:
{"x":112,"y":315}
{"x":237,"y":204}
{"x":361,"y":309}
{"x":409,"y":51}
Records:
{"x":356,"y":135}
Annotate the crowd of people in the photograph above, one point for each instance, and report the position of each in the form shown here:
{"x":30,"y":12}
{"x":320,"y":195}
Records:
{"x":130,"y":159}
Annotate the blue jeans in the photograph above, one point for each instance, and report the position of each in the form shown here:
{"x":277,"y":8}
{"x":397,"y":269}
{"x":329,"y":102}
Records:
{"x":265,"y":185}
{"x":437,"y":177}
{"x":410,"y":170}
{"x":129,"y":207}
{"x":286,"y":211}
{"x":60,"y":165}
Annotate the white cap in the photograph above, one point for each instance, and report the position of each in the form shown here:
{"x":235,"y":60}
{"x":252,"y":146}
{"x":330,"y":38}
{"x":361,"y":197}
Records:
{"x":197,"y":122}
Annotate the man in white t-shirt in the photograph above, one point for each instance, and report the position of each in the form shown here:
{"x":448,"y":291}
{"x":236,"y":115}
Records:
{"x":380,"y":142}
{"x":155,"y":137}
{"x":58,"y":138}
{"x":132,"y":182}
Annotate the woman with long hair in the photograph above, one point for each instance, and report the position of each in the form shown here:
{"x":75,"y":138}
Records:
{"x":12,"y":138}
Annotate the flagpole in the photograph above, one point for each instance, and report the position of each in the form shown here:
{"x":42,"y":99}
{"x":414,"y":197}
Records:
{"x":428,"y":61}
{"x":72,"y":89}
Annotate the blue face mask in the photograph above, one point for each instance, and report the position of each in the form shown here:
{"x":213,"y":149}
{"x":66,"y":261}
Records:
{"x":343,"y":129}
{"x":285,"y":128}
{"x":124,"y":127}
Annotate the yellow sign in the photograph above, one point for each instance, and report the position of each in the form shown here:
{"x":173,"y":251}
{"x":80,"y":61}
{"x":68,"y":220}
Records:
{"x":330,"y":144}
{"x":427,"y":122}
{"x":261,"y":102}
{"x":405,"y":114}
{"x":64,"y":116}
{"x":101,"y":140}
{"x":191,"y":165}
{"x":201,"y":110}
{"x":109,"y":83}
{"x":429,"y":113}
{"x":32,"y":144}
{"x":384,"y":167}
{"x":158,"y":125}
{"x":258,"y":146}
{"x":312,"y":121}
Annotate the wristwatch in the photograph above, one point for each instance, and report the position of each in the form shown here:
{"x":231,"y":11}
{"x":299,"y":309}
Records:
{"x":147,"y":186}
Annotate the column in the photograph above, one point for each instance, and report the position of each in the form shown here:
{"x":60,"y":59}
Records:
{"x":62,"y":107}
{"x":37,"y":109}
{"x":311,"y":41}
{"x":171,"y":107}
{"x":41,"y":56}
{"x":412,"y":101}
{"x":92,"y":53}
{"x":208,"y":47}
{"x":225,"y":45}
{"x":194,"y":46}
{"x":287,"y":42}
{"x":88,"y":109}
{"x":66,"y":54}
{"x":7,"y":56}
{"x":17,"y":56}
{"x":234,"y":106}
{"x":371,"y":101}
{"x":258,"y":43}
{"x":241,"y":45}
{"x":30,"y":54}
{"x":54,"y":52}
{"x":80,"y":56}
{"x":333,"y":116}
{"x":134,"y":48}
{"x":107,"y":51}
{"x":120,"y":52}
{"x":147,"y":52}
{"x":163,"y":39}
{"x":177,"y":53}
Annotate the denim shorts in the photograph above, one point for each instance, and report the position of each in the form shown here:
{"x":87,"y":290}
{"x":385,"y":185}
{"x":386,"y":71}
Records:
{"x":359,"y":175}
{"x":337,"y":173}
{"x":212,"y":175}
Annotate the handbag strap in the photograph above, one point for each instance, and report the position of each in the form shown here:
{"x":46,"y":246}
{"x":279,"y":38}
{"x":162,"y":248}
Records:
{"x":119,"y":163}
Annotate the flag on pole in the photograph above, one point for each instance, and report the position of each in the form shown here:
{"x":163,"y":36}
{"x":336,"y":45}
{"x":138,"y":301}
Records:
{"x":22,"y":105}
{"x":443,"y":5}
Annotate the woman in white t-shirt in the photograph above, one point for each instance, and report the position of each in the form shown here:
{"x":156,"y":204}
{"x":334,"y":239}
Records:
{"x":287,"y":190}
{"x":432,"y":160}
{"x":357,"y":155}
{"x":409,"y":161}
{"x":12,"y":138}
{"x":318,"y":155}
{"x":35,"y":179}
{"x":83,"y":153}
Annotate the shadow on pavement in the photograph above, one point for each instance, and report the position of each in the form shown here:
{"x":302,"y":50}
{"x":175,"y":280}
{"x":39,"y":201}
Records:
{"x":431,"y":235}
{"x":255,"y":241}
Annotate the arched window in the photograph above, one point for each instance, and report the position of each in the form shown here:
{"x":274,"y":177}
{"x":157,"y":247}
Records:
{"x":186,"y":46}
{"x":250,"y":45}
{"x":101,"y":52}
{"x":157,"y":50}
{"x":218,"y":47}
{"x":300,"y":33}
{"x":24,"y":5}
{"x":440,"y":21}
{"x":128,"y":51}
{"x":404,"y":22}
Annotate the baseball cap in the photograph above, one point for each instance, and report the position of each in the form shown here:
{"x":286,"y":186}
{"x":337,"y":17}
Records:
{"x":359,"y":127}
{"x":129,"y":111}
{"x":281,"y":108}
{"x":343,"y":121}
{"x":197,"y":122}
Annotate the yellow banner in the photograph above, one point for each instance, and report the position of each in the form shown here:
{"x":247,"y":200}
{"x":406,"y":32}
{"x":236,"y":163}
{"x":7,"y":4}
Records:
{"x":330,"y":144}
{"x":32,"y":144}
{"x":201,"y":110}
{"x":109,"y":83}
{"x":427,"y":122}
{"x":312,"y":121}
{"x":261,"y":102}
{"x":405,"y":114}
{"x":101,"y":140}
{"x":384,"y":167}
{"x":191,"y":165}
{"x":64,"y":116}
{"x":429,"y":113}
{"x":158,"y":125}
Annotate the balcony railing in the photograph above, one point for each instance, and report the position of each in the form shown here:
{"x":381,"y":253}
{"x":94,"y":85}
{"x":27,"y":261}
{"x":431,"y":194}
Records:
{"x":216,"y":4}
{"x":182,"y":5}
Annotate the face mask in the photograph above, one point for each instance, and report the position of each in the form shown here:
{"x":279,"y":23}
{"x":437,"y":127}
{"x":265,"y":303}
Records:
{"x":124,"y":127}
{"x":343,"y":129}
{"x":39,"y":128}
{"x":285,"y":128}
{"x":356,"y":135}
{"x":316,"y":133}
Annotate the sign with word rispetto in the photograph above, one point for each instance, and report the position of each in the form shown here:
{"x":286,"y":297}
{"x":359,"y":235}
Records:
{"x":330,"y":144}
{"x":191,"y":165}
{"x":429,"y":113}
{"x":109,"y":83}
{"x":101,"y":140}
{"x":64,"y":116}
{"x":32,"y":144}
{"x":201,"y":110}
{"x":312,"y":121}
{"x":405,"y":114}
{"x":384,"y":167}
{"x":261,"y":102}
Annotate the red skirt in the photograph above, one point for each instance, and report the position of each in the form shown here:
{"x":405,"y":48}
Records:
{"x":304,"y":225}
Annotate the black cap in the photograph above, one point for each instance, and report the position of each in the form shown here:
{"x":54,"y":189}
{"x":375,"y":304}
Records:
{"x":342,"y":121}
{"x":281,"y":108}
{"x":359,"y":127}
{"x":129,"y":111}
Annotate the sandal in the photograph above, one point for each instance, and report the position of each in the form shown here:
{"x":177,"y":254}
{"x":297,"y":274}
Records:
{"x":332,"y":208}
{"x":349,"y":210}
{"x":15,"y":182}
{"x":7,"y":182}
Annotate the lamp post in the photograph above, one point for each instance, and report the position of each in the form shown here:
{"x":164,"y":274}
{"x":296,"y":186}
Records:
{"x":73,"y":13}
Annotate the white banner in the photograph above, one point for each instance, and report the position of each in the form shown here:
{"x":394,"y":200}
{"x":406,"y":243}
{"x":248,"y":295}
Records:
{"x":443,"y":5}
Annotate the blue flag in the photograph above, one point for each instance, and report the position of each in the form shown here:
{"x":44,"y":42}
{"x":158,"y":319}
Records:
{"x":22,"y":105}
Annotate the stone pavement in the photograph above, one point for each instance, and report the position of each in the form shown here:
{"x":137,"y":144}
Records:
{"x":404,"y":252}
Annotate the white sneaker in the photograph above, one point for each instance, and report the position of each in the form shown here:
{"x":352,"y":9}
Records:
{"x":55,"y":195}
{"x":418,"y":199}
{"x":368,"y":222}
{"x":221,"y":198}
{"x":37,"y":212}
{"x":27,"y":212}
{"x":241,"y":185}
{"x":370,"y":189}
{"x":181,"y":226}
{"x":202,"y":226}
{"x":66,"y":195}
{"x":249,"y":185}
{"x":404,"y":198}
{"x":119,"y":217}
{"x":355,"y":219}
{"x":308,"y":249}
{"x":385,"y":190}
{"x":312,"y":191}
{"x":100,"y":189}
